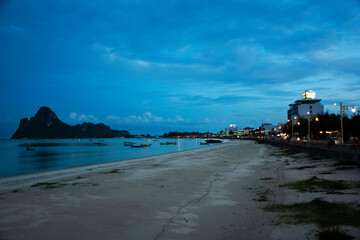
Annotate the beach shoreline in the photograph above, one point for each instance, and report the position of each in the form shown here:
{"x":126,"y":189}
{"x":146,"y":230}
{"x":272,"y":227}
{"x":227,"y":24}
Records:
{"x":217,"y":192}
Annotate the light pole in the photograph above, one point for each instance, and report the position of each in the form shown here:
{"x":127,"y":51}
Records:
{"x":309,"y":120}
{"x":342,"y":110}
{"x":292,"y":127}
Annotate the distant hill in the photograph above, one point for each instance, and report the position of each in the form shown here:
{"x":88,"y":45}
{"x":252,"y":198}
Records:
{"x":45,"y":124}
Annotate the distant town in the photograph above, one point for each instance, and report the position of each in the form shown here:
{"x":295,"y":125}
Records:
{"x":306,"y":120}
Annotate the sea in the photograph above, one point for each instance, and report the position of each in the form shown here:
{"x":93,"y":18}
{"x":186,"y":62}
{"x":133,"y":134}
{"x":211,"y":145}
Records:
{"x":51,"y":154}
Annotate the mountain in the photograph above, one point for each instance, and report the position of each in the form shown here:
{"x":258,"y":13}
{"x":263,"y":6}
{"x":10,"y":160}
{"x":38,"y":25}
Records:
{"x":45,"y":124}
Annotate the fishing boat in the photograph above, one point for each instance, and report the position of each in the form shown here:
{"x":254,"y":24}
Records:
{"x":29,"y":148}
{"x":138,"y":146}
{"x":168,"y":143}
{"x":213,"y":141}
{"x":129,"y":144}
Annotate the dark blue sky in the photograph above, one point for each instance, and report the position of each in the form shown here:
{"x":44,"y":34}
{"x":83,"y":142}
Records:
{"x":155,"y":66}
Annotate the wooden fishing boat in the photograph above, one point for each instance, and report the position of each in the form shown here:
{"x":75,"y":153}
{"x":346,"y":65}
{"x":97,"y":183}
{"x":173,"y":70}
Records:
{"x":213,"y":141}
{"x":129,"y":144}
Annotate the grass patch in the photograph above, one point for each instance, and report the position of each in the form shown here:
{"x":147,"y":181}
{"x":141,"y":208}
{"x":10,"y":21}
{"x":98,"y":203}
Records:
{"x":346,"y":163}
{"x":317,"y":211}
{"x":85,"y":184}
{"x":315,"y":184}
{"x":267,"y":178}
{"x":263,"y":196}
{"x":49,"y":185}
{"x":302,"y":167}
{"x":17,"y":190}
{"x":116,"y":170}
{"x":157,"y":165}
{"x":344,"y":168}
{"x":285,"y":153}
{"x":333,"y":234}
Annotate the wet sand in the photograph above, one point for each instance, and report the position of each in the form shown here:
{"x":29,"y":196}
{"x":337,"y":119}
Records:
{"x":207,"y":193}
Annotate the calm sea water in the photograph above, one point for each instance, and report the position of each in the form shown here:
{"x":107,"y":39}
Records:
{"x":65,"y":153}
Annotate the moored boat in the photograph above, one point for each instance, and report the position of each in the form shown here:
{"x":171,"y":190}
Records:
{"x":213,"y":141}
{"x":29,"y":148}
{"x":129,"y":144}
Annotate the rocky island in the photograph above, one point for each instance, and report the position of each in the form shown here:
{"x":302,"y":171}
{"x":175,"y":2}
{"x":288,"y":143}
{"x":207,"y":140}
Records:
{"x":45,"y":124}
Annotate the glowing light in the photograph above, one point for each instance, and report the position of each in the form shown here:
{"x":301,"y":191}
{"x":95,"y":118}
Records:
{"x":309,"y":94}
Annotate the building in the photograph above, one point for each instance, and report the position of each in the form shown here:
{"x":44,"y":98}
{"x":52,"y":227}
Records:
{"x":246,"y":130}
{"x":307,"y":105}
{"x":277,"y":128}
{"x":232,"y":129}
{"x":266,"y":127}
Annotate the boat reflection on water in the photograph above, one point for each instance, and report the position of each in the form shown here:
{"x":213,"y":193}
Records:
{"x":19,"y":158}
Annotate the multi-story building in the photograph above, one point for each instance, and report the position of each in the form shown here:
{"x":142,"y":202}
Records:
{"x":233,"y":128}
{"x":266,"y":127}
{"x":308,"y":105}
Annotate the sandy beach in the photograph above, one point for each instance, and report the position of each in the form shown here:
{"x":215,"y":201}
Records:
{"x":207,"y":193}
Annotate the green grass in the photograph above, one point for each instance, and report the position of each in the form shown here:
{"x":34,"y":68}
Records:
{"x":16,"y":190}
{"x":157,"y":165}
{"x":326,"y":172}
{"x":49,"y":185}
{"x":266,"y":178}
{"x":318,"y":212}
{"x":286,"y":153}
{"x":263,"y":196}
{"x":315,"y":184}
{"x":302,"y":167}
{"x":52,"y":185}
{"x":85,"y":184}
{"x":346,"y":163}
{"x":116,"y":170}
{"x":333,"y":234}
{"x":344,"y":168}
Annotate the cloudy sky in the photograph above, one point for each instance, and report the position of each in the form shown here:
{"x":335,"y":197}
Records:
{"x":157,"y":66}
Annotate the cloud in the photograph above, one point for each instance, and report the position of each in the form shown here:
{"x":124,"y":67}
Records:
{"x":146,"y":118}
{"x":83,"y":118}
{"x":199,"y":59}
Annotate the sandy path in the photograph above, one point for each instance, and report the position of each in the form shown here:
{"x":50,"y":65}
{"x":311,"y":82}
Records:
{"x":204,"y":193}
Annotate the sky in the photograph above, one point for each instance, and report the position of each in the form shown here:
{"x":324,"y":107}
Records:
{"x":189,"y":65}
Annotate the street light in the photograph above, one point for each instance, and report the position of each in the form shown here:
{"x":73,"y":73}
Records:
{"x":292,"y":127}
{"x":309,"y":120}
{"x":342,"y":110}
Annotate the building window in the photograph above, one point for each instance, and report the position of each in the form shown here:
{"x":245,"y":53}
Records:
{"x":310,"y":107}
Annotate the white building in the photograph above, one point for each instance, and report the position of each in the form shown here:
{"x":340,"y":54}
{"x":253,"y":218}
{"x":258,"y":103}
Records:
{"x":266,"y":127}
{"x":233,"y":128}
{"x":308,"y":105}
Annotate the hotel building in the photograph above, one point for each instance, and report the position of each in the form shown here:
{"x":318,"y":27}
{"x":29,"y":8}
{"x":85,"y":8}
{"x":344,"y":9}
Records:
{"x":307,"y":105}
